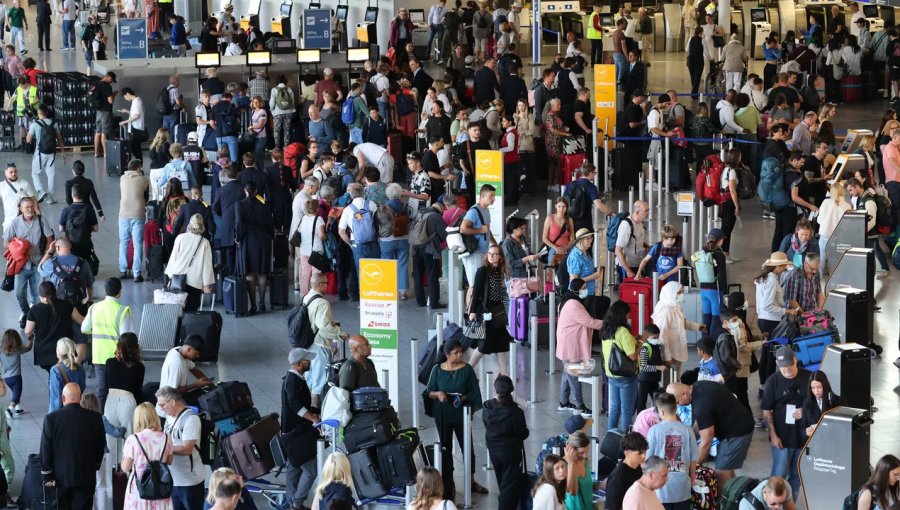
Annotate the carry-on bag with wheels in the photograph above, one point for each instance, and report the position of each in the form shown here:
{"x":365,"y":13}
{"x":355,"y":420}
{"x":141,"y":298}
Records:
{"x":367,"y":477}
{"x":396,"y":460}
{"x":207,"y":324}
{"x":368,"y":400}
{"x":370,"y":429}
{"x":159,"y":329}
{"x":278,"y":291}
{"x":248,"y":452}
{"x":226,"y":400}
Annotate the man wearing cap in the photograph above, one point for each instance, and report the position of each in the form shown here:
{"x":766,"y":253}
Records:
{"x":327,"y":83}
{"x":196,"y":157}
{"x":782,"y":406}
{"x":580,"y":264}
{"x":297,"y":420}
{"x":103,"y":102}
{"x":718,"y":414}
{"x":179,"y":365}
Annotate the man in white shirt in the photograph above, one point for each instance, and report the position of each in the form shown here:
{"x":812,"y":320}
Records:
{"x":435,"y":17}
{"x":137,"y":133}
{"x":855,"y":15}
{"x":362,"y":249}
{"x":11,"y":190}
{"x":725,"y":111}
{"x":513,"y":18}
{"x":69,"y":14}
{"x":201,"y":114}
{"x":370,"y":154}
{"x":184,"y":427}
{"x":178,"y":365}
{"x":656,"y":125}
{"x":309,"y":192}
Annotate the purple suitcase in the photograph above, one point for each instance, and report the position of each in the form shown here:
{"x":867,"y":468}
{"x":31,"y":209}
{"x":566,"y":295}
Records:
{"x":518,"y":318}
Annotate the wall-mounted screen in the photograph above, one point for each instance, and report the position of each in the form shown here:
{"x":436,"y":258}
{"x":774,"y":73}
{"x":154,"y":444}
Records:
{"x":253,"y":9}
{"x":309,"y":56}
{"x":417,"y":16}
{"x":607,"y":19}
{"x":286,"y":8}
{"x":210,"y":59}
{"x":357,"y":54}
{"x":259,"y":58}
{"x":870,"y":11}
{"x":371,"y":15}
{"x":758,"y":15}
{"x":341,"y":12}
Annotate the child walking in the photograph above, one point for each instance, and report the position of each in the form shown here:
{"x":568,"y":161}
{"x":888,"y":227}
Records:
{"x":11,"y":350}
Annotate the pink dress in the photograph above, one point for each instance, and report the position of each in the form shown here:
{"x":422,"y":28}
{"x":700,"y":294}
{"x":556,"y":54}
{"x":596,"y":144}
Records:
{"x":158,"y":446}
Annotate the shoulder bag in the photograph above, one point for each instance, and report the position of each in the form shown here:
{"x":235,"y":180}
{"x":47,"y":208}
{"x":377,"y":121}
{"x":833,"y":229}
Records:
{"x":619,"y":363}
{"x":178,"y":282}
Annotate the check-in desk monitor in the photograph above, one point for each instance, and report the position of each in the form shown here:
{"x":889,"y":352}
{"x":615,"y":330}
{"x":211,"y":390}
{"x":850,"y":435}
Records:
{"x":315,"y":5}
{"x":341,"y":13}
{"x":286,"y":8}
{"x":758,"y":14}
{"x":371,"y":14}
{"x":870,"y":11}
{"x":417,"y":16}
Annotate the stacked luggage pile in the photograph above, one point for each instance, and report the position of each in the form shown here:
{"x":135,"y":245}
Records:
{"x":7,"y":131}
{"x":381,"y":455}
{"x":808,"y":335}
{"x":70,"y":98}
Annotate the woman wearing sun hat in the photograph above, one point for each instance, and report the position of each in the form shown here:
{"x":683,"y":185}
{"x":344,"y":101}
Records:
{"x":770,"y":305}
{"x":580,"y":264}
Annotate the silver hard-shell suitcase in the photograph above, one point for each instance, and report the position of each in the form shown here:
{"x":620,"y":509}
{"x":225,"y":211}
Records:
{"x":159,"y":329}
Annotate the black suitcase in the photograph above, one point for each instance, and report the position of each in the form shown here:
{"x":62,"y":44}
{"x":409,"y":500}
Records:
{"x":182,"y":130}
{"x":116,"y":157}
{"x":154,"y":265}
{"x":278,"y":291}
{"x":207,"y":324}
{"x":226,"y":400}
{"x":396,"y":459}
{"x":610,"y":452}
{"x":234,"y":293}
{"x":626,"y":163}
{"x":280,"y":253}
{"x":369,"y":400}
{"x":366,"y":475}
{"x":370,"y":429}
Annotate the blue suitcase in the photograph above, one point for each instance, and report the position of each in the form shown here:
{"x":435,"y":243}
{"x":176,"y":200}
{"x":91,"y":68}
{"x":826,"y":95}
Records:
{"x":235,"y":296}
{"x":809,"y":349}
{"x":241,"y":421}
{"x":518,"y":318}
{"x":369,"y":400}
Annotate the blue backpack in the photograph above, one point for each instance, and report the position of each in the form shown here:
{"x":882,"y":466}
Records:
{"x":362,"y":223}
{"x":348,"y":110}
{"x":547,"y":448}
{"x":771,"y":188}
{"x":612,"y":229}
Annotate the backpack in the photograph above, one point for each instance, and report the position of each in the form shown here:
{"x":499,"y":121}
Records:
{"x":348,"y":111}
{"x":227,"y":121}
{"x":208,"y":446}
{"x":581,"y":203}
{"x":362,"y":224}
{"x":155,"y":482}
{"x":716,"y":120}
{"x":851,"y":502}
{"x":771,"y":185}
{"x":709,"y":182}
{"x":164,"y":102}
{"x":181,"y":173}
{"x":547,"y":448}
{"x":705,"y":492}
{"x":405,"y":104}
{"x":77,"y":229}
{"x":726,"y":355}
{"x":612,"y":229}
{"x":654,"y":254}
{"x":336,"y":491}
{"x":69,"y":287}
{"x":736,"y":489}
{"x":283,"y":98}
{"x":370,"y":91}
{"x":292,"y":153}
{"x":47,"y":141}
{"x":746,"y":186}
{"x":482,"y":20}
{"x":884,"y":220}
{"x":705,"y":265}
{"x":300,"y":329}
{"x":418,"y":233}
{"x":388,"y":221}
{"x":470,"y":241}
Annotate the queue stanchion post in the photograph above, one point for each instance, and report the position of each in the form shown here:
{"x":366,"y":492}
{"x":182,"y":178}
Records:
{"x":641,"y":315}
{"x":461,"y":307}
{"x":694,"y":219}
{"x":595,"y":412}
{"x":409,"y":494}
{"x":701,"y":217}
{"x":414,"y":380}
{"x":606,"y":161}
{"x":320,"y":454}
{"x":467,"y":459}
{"x":513,"y":361}
{"x":641,"y":184}
{"x":595,"y":150}
{"x":655,"y":289}
{"x":650,"y":180}
{"x":532,"y":368}
{"x":630,"y":194}
{"x":452,"y":283}
{"x":551,"y":332}
{"x":488,"y":395}
{"x":716,"y":220}
{"x":660,"y":178}
{"x":597,"y":247}
{"x":386,"y":380}
{"x":438,"y":455}
{"x":535,"y":236}
{"x":666,"y":163}
{"x":688,"y":234}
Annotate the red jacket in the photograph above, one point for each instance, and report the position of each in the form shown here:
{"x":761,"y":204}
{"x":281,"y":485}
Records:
{"x":395,"y":31}
{"x":513,"y":155}
{"x":17,"y":255}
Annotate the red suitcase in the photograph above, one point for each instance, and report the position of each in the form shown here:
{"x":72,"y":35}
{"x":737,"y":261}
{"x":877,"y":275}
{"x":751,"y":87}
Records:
{"x":569,"y":163}
{"x":852,"y":89}
{"x":518,"y":318}
{"x":331,"y":279}
{"x":629,"y":291}
{"x":119,"y":479}
{"x":395,"y":147}
{"x":248,"y":451}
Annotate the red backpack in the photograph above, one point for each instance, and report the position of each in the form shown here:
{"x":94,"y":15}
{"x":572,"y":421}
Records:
{"x":292,"y":154}
{"x":709,"y":178}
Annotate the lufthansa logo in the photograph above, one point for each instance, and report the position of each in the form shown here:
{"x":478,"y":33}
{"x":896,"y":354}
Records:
{"x":372,"y":274}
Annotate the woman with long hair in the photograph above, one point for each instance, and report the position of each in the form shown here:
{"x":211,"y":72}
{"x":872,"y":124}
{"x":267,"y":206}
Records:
{"x":430,"y":492}
{"x":549,"y":492}
{"x":819,"y":398}
{"x":159,"y":155}
{"x":148,"y":443}
{"x":802,"y":241}
{"x":257,"y":129}
{"x":192,"y":257}
{"x":559,"y":237}
{"x":830,"y":213}
{"x":125,"y":378}
{"x":524,"y":121}
{"x":505,"y":433}
{"x":489,"y":299}
{"x":48,"y":321}
{"x":312,"y":237}
{"x":883,"y":486}
{"x":554,"y":131}
{"x":622,"y":388}
{"x":700,"y":126}
{"x":336,"y":473}
{"x":66,"y":370}
{"x":171,"y":204}
{"x":770,"y":305}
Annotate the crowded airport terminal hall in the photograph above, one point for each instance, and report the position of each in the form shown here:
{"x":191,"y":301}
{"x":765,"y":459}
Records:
{"x":450,"y":254}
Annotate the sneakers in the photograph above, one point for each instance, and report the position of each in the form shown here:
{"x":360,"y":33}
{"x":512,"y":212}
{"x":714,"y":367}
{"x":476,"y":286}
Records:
{"x":22,"y":320}
{"x":42,"y":196}
{"x":9,"y":412}
{"x":50,"y":199}
{"x":565,"y":407}
{"x":19,"y":411}
{"x":89,"y":368}
{"x":585,"y":412}
{"x":760,"y":423}
{"x":138,"y":279}
{"x":732,"y":260}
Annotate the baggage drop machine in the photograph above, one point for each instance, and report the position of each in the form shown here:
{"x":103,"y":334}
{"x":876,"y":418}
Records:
{"x":876,"y":23}
{"x":281,"y":24}
{"x":367,"y":31}
{"x":252,"y":10}
{"x":760,"y":29}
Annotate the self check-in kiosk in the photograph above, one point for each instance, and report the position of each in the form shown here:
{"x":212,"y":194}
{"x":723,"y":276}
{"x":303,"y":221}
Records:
{"x":252,"y":12}
{"x":759,"y":32}
{"x":876,"y":24}
{"x":367,"y":32}
{"x":854,"y":138}
{"x":607,"y":21}
{"x":281,"y":24}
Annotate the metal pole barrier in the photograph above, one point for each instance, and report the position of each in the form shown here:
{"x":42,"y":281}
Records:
{"x":630,"y":194}
{"x":410,"y":494}
{"x":597,"y":247}
{"x":701,"y":210}
{"x":386,"y":378}
{"x":595,"y":411}
{"x":660,"y":178}
{"x":641,"y":184}
{"x":687,"y":234}
{"x":641,"y":317}
{"x":716,"y":221}
{"x":438,"y":456}
{"x":667,"y":164}
{"x":549,"y":207}
{"x":414,"y":380}
{"x":535,"y":236}
{"x":320,"y":454}
{"x":488,"y":395}
{"x":559,"y":38}
{"x":513,"y":362}
{"x":452,"y":285}
{"x":652,"y":178}
{"x":655,"y":289}
{"x":533,"y":323}
{"x":461,"y":309}
{"x":595,"y":145}
{"x":467,"y":459}
{"x":622,"y":205}
{"x":606,"y":158}
{"x":551,"y":333}
{"x":695,"y":238}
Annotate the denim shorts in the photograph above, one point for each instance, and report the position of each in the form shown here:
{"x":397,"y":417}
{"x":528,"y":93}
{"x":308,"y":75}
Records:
{"x":732,"y":452}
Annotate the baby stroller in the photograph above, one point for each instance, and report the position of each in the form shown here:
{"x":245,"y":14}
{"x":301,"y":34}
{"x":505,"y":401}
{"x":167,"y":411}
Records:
{"x":715,"y":80}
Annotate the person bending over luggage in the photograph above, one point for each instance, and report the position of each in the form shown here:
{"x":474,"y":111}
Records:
{"x":505,"y":431}
{"x":179,"y":364}
{"x":358,"y":371}
{"x":192,"y":259}
{"x":298,"y":418}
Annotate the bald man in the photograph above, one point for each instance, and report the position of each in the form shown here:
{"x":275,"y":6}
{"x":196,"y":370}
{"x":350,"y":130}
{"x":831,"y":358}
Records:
{"x":718,"y":413}
{"x":358,"y":371}
{"x":630,"y":244}
{"x":72,"y":448}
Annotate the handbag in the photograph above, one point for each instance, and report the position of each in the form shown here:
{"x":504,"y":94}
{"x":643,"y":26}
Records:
{"x":718,"y":41}
{"x":787,"y":328}
{"x":524,"y":286}
{"x":296,"y":238}
{"x":319,"y":261}
{"x":474,"y":330}
{"x":178,"y":282}
{"x":619,"y":363}
{"x":9,"y":283}
{"x":557,"y":257}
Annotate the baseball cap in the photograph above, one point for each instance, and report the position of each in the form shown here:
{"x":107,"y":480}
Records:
{"x":112,"y":76}
{"x":784,"y":356}
{"x":716,"y":234}
{"x":228,"y":7}
{"x":192,"y":136}
{"x":299,"y":354}
{"x":470,"y":59}
{"x":577,"y":422}
{"x":327,"y":71}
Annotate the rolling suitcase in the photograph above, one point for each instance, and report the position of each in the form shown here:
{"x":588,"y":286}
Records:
{"x":810,"y":349}
{"x":370,"y":429}
{"x":182,"y":130}
{"x":240,"y":421}
{"x":369,"y":400}
{"x":207,"y":324}
{"x":119,"y":480}
{"x":395,"y":147}
{"x":518,"y":317}
{"x":278,"y":291}
{"x":248,"y":451}
{"x":366,"y":474}
{"x":629,"y":291}
{"x":226,"y":400}
{"x":396,"y":460}
{"x":234,"y":293}
{"x":280,"y":253}
{"x":154,"y":264}
{"x":852,"y":89}
{"x":569,"y":163}
{"x":33,"y":495}
{"x":116,"y":157}
{"x":159,"y":329}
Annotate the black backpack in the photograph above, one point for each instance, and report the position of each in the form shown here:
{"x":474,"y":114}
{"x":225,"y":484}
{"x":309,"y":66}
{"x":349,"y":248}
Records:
{"x":69,"y":287}
{"x":164,"y":102}
{"x":336,"y":491}
{"x":155,"y":482}
{"x":47,"y":140}
{"x":579,"y":202}
{"x":77,"y":229}
{"x":300,"y":332}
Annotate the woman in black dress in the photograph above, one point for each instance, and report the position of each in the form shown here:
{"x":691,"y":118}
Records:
{"x":172,"y":202}
{"x":48,"y":321}
{"x":695,"y":59}
{"x":253,"y":233}
{"x":489,"y":297}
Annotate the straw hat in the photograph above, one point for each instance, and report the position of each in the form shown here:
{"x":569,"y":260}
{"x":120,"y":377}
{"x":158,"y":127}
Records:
{"x":777,"y":259}
{"x":582,"y":233}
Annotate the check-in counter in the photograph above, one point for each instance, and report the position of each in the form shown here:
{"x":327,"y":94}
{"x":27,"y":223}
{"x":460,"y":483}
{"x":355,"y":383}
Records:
{"x":746,"y":6}
{"x":659,"y":31}
{"x":674,"y":27}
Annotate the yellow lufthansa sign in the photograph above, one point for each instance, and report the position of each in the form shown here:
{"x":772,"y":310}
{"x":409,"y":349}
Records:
{"x":489,"y":168}
{"x":605,"y":97}
{"x":378,"y":279}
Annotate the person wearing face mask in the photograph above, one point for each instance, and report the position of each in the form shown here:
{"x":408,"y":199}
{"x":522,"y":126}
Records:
{"x":651,"y":366}
{"x":745,"y":348}
{"x":669,"y":317}
{"x":574,"y":333}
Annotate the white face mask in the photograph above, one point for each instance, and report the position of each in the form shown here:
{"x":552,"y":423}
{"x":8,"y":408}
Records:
{"x":583,"y":293}
{"x":679,"y":298}
{"x":653,"y":340}
{"x":734,"y":327}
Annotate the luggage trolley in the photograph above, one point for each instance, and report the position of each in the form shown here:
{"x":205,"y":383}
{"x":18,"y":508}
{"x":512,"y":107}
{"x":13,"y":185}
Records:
{"x":273,"y":491}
